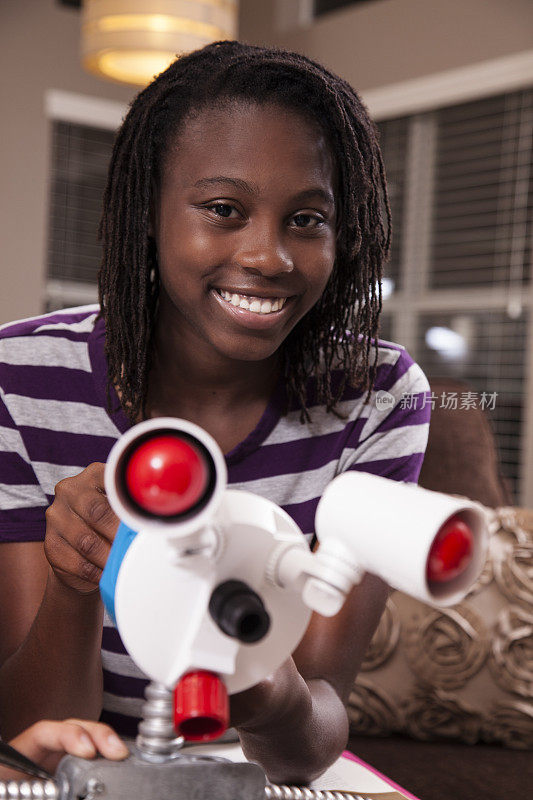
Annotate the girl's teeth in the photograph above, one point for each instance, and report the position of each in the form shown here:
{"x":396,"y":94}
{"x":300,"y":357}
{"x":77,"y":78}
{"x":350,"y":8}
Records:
{"x":256,"y":305}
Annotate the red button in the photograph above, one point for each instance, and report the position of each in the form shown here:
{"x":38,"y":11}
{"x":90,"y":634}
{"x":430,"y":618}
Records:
{"x":166,"y":475}
{"x":451,"y":551}
{"x":201,"y":707}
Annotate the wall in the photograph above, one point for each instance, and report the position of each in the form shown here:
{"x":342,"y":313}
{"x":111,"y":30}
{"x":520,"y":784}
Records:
{"x":386,"y":41}
{"x":39,"y":44}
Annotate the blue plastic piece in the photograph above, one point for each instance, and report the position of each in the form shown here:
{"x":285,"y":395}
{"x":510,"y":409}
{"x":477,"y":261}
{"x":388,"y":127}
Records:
{"x":123,"y":538}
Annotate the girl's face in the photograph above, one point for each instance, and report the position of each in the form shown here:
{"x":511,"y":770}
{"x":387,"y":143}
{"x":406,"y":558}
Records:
{"x":245,"y":229}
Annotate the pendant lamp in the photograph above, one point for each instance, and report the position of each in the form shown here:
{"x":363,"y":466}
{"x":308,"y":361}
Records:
{"x":131,"y":41}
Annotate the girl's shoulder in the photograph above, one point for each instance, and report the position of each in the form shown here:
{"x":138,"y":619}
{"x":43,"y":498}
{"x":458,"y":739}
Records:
{"x":396,"y":372}
{"x":80,"y":319}
{"x":54,"y":342}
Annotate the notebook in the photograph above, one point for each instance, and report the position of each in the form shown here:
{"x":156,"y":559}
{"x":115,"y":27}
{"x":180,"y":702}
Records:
{"x":348,"y":774}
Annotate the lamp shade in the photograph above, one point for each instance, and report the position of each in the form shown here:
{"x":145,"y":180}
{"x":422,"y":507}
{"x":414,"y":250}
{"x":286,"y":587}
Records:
{"x":132,"y":41}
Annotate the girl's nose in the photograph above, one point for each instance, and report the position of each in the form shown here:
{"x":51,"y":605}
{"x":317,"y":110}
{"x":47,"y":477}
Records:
{"x":264,"y":252}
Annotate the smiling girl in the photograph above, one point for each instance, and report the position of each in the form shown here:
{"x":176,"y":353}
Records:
{"x":244,"y":242}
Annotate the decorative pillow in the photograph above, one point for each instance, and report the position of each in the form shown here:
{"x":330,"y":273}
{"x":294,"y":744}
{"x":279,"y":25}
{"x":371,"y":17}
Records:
{"x":465,"y":672}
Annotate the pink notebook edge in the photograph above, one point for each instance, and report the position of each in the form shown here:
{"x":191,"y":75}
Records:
{"x":351,"y":757}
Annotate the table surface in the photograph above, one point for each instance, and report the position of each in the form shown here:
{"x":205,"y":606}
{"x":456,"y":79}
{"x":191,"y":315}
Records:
{"x":444,"y":770}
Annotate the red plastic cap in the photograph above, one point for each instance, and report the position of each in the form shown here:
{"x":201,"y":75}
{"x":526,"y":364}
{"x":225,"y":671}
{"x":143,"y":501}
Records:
{"x":451,"y":551}
{"x":201,"y":707}
{"x":166,"y":475}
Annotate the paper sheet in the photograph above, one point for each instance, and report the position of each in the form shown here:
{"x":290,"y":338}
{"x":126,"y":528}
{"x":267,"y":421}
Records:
{"x":346,"y":774}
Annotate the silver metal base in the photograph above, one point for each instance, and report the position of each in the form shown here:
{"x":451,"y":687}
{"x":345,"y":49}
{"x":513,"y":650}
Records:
{"x":183,"y":778}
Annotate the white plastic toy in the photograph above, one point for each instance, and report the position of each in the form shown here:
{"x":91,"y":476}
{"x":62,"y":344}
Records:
{"x":216,"y":589}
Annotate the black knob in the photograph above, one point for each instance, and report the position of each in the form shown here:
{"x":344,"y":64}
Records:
{"x":239,"y":612}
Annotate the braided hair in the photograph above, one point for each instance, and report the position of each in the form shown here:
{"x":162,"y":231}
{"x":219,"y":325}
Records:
{"x":341,"y":329}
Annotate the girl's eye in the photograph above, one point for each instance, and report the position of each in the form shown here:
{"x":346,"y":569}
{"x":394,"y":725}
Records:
{"x":222,"y":209}
{"x":306,"y":221}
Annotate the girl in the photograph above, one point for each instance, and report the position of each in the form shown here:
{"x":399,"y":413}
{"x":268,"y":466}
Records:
{"x":244,"y":241}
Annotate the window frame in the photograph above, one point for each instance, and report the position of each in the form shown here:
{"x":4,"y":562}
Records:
{"x":405,"y":307}
{"x":96,"y":112}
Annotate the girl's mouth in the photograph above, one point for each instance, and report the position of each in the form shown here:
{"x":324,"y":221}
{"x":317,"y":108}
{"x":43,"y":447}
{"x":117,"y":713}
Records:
{"x":254,"y":312}
{"x":257,"y":305}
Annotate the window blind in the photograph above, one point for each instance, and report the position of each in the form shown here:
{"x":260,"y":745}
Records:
{"x":483,"y":198}
{"x":488,"y":354}
{"x":80,"y":158}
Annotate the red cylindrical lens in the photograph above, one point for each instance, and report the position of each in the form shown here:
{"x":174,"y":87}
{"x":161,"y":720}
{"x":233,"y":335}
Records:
{"x":451,"y":551}
{"x":166,"y":475}
{"x":201,"y":707}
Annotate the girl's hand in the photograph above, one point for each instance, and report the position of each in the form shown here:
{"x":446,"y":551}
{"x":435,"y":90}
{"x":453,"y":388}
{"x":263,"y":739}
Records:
{"x":80,"y":528}
{"x":47,"y":742}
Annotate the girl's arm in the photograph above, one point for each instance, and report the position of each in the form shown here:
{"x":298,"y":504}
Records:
{"x":55,"y":670}
{"x":50,"y":656}
{"x":295,"y":724}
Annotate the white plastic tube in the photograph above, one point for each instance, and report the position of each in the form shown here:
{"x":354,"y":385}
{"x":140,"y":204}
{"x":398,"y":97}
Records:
{"x":387,"y":528}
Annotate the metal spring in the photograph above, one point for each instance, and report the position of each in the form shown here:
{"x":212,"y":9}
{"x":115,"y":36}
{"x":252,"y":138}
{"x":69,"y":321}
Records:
{"x":275,"y":792}
{"x":37,"y":790}
{"x":157,"y":736}
{"x":17,"y":790}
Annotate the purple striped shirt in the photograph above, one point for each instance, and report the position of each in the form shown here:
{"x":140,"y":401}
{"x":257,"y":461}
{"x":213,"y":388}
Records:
{"x":54,"y":422}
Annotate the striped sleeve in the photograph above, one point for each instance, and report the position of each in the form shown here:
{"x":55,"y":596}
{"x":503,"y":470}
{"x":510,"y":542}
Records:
{"x":393,"y":441}
{"x":22,"y":500}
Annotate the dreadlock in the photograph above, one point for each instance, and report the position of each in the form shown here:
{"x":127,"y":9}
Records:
{"x":341,"y":329}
